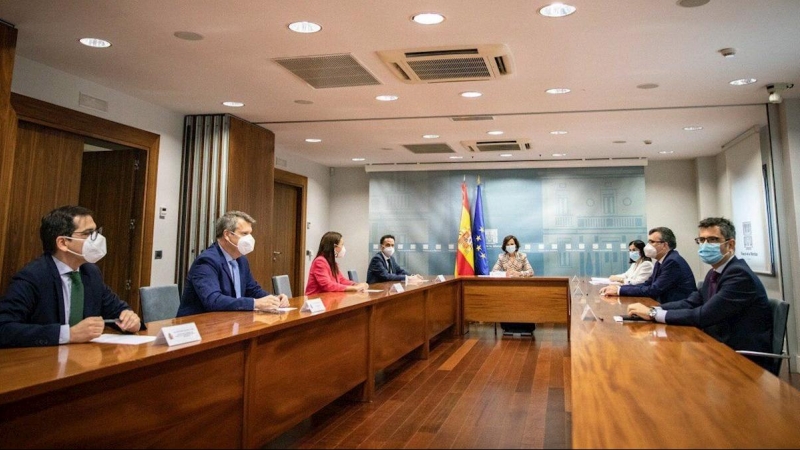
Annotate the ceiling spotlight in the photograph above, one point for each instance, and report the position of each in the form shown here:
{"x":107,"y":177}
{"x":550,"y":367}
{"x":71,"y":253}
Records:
{"x":430,"y":136}
{"x":386,"y":98}
{"x":304,"y":27}
{"x":428,"y":18}
{"x":233,"y":104}
{"x":313,"y":140}
{"x":743,"y":81}
{"x":495,"y":132}
{"x":693,"y":128}
{"x":456,"y":157}
{"x":666,"y":152}
{"x":559,"y":154}
{"x":471,"y":94}
{"x":728,"y":52}
{"x":557,"y":10}
{"x":558,"y":132}
{"x":359,"y":159}
{"x":558,"y":91}
{"x":505,"y":155}
{"x":775,"y":90}
{"x":95,"y":42}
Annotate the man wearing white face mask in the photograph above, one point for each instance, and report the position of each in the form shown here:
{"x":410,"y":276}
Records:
{"x":220,"y":278}
{"x":60,"y":297}
{"x":384,"y":267}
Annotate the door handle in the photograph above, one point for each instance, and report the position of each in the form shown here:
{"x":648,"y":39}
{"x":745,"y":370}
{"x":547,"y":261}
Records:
{"x":276,"y":253}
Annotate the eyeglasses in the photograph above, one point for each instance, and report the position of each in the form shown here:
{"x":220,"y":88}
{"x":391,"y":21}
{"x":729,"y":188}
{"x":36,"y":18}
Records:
{"x":710,"y":240}
{"x":90,"y":234}
{"x":650,"y":241}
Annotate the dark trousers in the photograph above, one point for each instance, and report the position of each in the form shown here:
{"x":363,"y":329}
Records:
{"x":517,"y":327}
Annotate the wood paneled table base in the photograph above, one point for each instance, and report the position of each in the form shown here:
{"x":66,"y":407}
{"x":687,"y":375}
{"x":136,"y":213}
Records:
{"x":252,"y":377}
{"x":649,"y":385}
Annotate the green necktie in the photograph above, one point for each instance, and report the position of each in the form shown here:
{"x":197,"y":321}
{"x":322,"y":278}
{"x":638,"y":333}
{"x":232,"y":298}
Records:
{"x":76,"y":298}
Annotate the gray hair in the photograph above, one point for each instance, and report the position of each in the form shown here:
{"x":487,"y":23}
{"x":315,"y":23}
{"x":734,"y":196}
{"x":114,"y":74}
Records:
{"x":725,"y":226}
{"x":230,"y":220}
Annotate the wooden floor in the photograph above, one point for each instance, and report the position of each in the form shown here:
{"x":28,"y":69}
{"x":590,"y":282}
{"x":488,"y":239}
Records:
{"x":476,"y":391}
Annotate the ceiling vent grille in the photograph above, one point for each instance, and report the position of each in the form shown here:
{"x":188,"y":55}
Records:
{"x":470,"y":118}
{"x":497,"y":146}
{"x":448,"y":64}
{"x":427,"y":149}
{"x":329,"y":71}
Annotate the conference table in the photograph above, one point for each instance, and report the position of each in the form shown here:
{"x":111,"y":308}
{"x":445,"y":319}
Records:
{"x":253,"y":375}
{"x":650,"y":385}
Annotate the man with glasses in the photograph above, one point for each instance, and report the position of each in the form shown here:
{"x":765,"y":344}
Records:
{"x":732,"y":306}
{"x":672,"y":278}
{"x":60,"y":297}
{"x":220,"y":278}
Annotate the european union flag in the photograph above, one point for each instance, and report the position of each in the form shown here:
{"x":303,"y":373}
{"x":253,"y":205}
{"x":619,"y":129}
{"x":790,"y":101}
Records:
{"x":479,"y":236}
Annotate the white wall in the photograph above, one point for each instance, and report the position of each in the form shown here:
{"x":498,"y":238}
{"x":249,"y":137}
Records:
{"x":350,"y":216}
{"x":60,"y":88}
{"x":671,"y":196}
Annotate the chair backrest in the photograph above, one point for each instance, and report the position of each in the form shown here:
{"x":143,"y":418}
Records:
{"x":780,"y":315}
{"x":281,"y":285}
{"x":159,"y":302}
{"x":353,"y":275}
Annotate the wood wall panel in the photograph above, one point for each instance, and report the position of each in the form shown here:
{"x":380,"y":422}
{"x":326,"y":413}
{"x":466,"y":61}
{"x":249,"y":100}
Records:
{"x":8,"y":132}
{"x":47,"y":174}
{"x":251,"y":163}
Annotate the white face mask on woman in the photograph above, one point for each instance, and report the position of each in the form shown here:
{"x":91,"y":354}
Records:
{"x":511,"y":248}
{"x":341,"y":253}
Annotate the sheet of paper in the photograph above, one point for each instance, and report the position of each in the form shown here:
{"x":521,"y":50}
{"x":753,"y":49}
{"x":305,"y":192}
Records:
{"x":126,"y":339}
{"x":601,"y":281}
{"x":286,"y":309}
{"x":374,"y":290}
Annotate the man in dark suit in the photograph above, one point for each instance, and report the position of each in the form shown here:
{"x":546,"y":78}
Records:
{"x":60,"y":297}
{"x":672,"y":278}
{"x":383,"y":266}
{"x":220,"y":278}
{"x":732,"y":307}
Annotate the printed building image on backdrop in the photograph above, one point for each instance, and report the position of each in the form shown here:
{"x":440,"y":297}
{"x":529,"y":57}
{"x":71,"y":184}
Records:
{"x":568,"y":221}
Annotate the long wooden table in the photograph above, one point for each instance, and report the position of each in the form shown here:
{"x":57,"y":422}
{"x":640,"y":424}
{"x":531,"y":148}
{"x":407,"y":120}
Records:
{"x":649,"y":385}
{"x":252,"y":377}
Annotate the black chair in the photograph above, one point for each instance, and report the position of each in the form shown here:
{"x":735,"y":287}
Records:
{"x":353,"y":275}
{"x":780,"y":315}
{"x":159,"y":302}
{"x":281,"y":285}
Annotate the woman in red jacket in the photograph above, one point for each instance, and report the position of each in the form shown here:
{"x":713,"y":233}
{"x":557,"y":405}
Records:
{"x":324,"y":275}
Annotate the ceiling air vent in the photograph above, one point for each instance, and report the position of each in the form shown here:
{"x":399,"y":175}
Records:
{"x":497,"y":146}
{"x":329,"y":71}
{"x":447,"y":64}
{"x":425,"y":149}
{"x":470,"y":118}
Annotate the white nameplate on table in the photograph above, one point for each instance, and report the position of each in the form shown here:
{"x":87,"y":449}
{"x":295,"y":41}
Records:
{"x":440,"y":278}
{"x":587,"y":312}
{"x":313,"y":305}
{"x":497,"y":274}
{"x":397,"y":287}
{"x":127,"y":339}
{"x":178,"y":334}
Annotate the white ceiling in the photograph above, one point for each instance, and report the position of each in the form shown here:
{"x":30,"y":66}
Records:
{"x":602,"y":52}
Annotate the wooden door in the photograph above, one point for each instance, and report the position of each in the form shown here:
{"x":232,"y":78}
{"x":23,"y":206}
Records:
{"x":109,"y":187}
{"x":288,"y":229}
{"x":47,"y":174}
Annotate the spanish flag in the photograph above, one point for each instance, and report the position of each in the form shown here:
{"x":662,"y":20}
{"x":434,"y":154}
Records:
{"x":464,"y":254}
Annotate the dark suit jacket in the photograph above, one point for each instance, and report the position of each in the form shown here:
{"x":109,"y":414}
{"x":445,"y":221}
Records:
{"x":209,"y":285}
{"x":738,"y":315}
{"x":671,"y":280}
{"x":32,"y":311}
{"x":379,"y":271}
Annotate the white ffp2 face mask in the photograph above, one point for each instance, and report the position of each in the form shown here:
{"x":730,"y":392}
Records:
{"x":93,"y":250}
{"x":247,"y":244}
{"x":388,"y":251}
{"x":650,"y":251}
{"x":341,"y":253}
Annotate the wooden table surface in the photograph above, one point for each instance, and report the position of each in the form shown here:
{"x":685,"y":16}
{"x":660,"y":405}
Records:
{"x":650,"y":385}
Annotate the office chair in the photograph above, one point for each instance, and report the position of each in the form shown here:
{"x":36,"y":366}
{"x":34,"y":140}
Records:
{"x":281,"y":285}
{"x":353,"y":275}
{"x":780,"y":314}
{"x":159,"y":302}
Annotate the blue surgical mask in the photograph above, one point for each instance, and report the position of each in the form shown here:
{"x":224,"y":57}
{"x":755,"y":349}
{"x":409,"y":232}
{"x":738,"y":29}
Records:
{"x":634,"y":256}
{"x":710,"y":253}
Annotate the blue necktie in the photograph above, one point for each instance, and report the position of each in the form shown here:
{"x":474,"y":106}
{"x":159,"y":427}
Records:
{"x":237,"y":282}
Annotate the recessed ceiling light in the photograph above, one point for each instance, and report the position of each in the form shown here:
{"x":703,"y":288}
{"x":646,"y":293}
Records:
{"x":428,"y":18}
{"x":495,"y":132}
{"x":743,"y":81}
{"x":304,"y":27}
{"x":647,"y":86}
{"x":430,"y":136}
{"x":666,"y":152}
{"x":359,"y":159}
{"x":559,"y":154}
{"x":95,"y":42}
{"x":692,"y":3}
{"x":386,"y":98}
{"x":505,"y":155}
{"x":386,"y":148}
{"x":558,"y":132}
{"x":313,"y":140}
{"x":618,"y":142}
{"x":471,"y":94}
{"x":693,"y":128}
{"x":233,"y":104}
{"x":557,"y":10}
{"x":304,"y":102}
{"x":188,"y":35}
{"x":557,"y":91}
{"x":456,"y":157}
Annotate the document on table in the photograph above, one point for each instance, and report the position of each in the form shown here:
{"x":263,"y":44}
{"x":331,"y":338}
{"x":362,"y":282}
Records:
{"x":127,"y":339}
{"x":374,"y":290}
{"x":601,"y":281}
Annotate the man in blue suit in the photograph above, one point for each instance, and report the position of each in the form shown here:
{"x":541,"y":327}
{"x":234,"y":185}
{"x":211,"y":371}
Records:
{"x":732,"y":306}
{"x":220,"y":278}
{"x":60,"y":297}
{"x":383,"y":266}
{"x":672,"y":278}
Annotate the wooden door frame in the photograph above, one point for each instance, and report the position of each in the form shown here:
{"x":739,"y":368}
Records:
{"x":29,"y":109}
{"x":300,"y":182}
